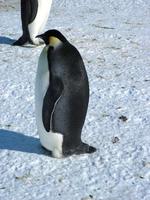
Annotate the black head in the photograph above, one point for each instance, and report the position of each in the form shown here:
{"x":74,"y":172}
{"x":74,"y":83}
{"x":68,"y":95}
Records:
{"x":52,"y":37}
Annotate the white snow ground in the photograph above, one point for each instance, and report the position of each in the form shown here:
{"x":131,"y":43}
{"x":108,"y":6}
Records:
{"x":114,"y":40}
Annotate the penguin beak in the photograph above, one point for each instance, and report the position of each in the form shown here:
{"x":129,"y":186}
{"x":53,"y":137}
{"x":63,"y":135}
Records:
{"x":39,"y":36}
{"x":42,"y":37}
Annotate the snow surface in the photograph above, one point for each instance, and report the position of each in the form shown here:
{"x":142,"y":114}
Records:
{"x":114,"y":40}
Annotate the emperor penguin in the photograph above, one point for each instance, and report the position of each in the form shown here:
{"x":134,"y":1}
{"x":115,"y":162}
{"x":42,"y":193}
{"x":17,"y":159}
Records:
{"x":61,"y":96}
{"x":34,"y":15}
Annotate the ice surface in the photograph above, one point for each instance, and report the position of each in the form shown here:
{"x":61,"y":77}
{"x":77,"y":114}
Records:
{"x":114,"y":39}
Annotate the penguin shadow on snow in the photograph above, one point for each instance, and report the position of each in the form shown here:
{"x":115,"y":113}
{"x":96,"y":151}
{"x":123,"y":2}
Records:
{"x":6,"y":40}
{"x":19,"y":142}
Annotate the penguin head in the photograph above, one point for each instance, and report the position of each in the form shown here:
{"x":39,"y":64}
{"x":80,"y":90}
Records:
{"x":52,"y":37}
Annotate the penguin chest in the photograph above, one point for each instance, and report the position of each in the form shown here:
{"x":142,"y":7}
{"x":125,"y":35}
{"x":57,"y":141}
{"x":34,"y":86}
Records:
{"x":42,"y":77}
{"x":41,"y":86}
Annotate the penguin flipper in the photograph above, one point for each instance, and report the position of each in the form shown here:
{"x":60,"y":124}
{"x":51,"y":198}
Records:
{"x":33,"y":10}
{"x":28,"y":11}
{"x":50,"y":100}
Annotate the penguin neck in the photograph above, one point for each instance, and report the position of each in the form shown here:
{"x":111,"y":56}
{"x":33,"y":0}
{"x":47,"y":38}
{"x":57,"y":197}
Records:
{"x":54,"y":42}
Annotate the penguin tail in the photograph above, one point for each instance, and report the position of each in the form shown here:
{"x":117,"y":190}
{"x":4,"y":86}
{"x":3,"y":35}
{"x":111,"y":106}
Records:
{"x":21,"y":41}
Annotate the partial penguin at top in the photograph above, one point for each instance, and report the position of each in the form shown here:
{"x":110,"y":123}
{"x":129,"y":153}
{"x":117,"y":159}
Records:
{"x":34,"y":15}
{"x":61,"y":96}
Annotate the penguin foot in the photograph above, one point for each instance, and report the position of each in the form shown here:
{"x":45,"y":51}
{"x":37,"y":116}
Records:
{"x":81,"y":149}
{"x":85,"y":148}
{"x":21,"y":41}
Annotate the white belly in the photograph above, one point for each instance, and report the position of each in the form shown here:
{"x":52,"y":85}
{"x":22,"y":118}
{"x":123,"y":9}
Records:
{"x":49,"y":140}
{"x":37,"y":26}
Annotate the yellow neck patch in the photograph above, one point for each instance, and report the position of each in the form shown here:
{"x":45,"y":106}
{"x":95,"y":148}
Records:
{"x":53,"y":41}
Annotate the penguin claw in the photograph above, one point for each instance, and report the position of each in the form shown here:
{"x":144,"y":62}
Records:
{"x":85,"y":148}
{"x":91,"y":149}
